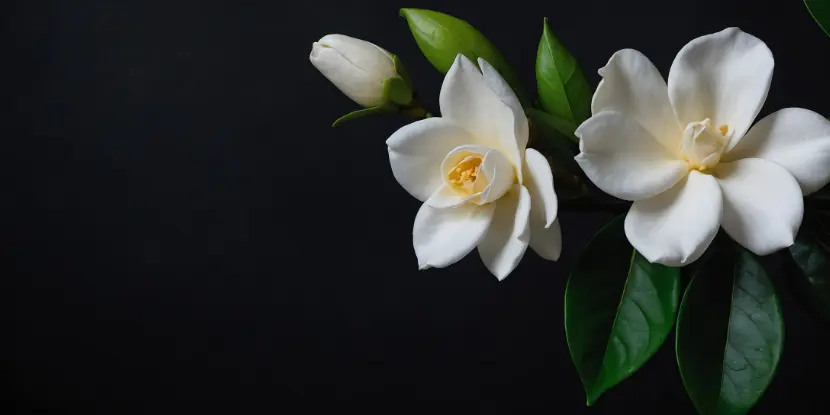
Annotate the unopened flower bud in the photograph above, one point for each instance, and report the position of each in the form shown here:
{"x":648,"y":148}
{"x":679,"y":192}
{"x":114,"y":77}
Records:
{"x":356,"y":67}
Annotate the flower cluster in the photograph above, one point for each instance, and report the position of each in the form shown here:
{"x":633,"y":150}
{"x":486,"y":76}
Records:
{"x":681,"y":155}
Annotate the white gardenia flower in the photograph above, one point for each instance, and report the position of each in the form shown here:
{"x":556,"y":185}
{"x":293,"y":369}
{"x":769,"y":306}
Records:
{"x":684,"y":152}
{"x":356,"y":67}
{"x":480,"y":186}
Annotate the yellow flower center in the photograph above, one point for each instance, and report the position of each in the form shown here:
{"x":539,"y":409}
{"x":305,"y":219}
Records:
{"x":703,"y":145}
{"x":464,"y":174}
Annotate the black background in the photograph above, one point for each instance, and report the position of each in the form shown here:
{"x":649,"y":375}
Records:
{"x":185,"y":232}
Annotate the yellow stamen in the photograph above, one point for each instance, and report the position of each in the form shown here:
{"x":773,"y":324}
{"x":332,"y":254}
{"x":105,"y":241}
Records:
{"x":465,"y":172}
{"x":723,"y":129}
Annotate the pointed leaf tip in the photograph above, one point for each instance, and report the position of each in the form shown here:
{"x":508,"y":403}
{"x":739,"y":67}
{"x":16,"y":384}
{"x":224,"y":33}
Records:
{"x":442,"y":37}
{"x":359,"y":113}
{"x":563,"y":89}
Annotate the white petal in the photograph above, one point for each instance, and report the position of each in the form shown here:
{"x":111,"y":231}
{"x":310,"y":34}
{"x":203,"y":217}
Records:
{"x":623,"y":159}
{"x":539,"y":182}
{"x":797,"y":139}
{"x":499,"y":173}
{"x":633,"y":86}
{"x":467,"y":99}
{"x":675,"y":227}
{"x":545,"y":233}
{"x":442,"y":237}
{"x":417,"y":150}
{"x":546,"y":242}
{"x":498,"y":85}
{"x":723,"y":76}
{"x":446,"y":197}
{"x":506,"y":240}
{"x":762,"y":204}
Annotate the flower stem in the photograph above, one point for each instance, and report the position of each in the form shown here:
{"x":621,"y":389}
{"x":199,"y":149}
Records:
{"x":416,"y":112}
{"x":417,"y":109}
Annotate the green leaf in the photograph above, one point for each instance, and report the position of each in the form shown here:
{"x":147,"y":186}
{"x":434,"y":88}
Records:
{"x":397,"y":90}
{"x":563,"y":90}
{"x":619,"y":308}
{"x":820,"y":10}
{"x":729,"y":334}
{"x":360,"y":113}
{"x":442,"y":37}
{"x":810,"y":265}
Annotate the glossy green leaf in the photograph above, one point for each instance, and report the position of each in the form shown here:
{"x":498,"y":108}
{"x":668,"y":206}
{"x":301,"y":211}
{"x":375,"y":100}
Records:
{"x":397,"y":91}
{"x":442,"y":37}
{"x":619,"y":308}
{"x":820,"y":10}
{"x":360,"y":113}
{"x":810,"y":264}
{"x":563,"y":90}
{"x":730,"y":333}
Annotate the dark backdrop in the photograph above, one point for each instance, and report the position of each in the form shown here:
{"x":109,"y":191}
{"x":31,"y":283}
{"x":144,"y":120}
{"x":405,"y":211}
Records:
{"x":183,"y":231}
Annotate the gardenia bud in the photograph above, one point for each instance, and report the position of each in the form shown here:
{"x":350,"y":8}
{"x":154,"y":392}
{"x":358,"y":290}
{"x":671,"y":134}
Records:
{"x":356,"y":67}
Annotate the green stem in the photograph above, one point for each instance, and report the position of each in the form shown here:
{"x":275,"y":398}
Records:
{"x":417,"y":109}
{"x":416,"y":112}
